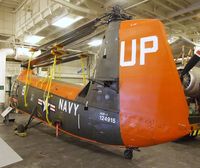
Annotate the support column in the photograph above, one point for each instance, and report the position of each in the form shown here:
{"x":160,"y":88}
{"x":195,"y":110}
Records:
{"x":2,"y":78}
{"x":3,"y":54}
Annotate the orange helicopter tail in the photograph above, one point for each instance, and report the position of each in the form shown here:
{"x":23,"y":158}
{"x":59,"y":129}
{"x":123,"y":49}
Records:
{"x":153,"y":107}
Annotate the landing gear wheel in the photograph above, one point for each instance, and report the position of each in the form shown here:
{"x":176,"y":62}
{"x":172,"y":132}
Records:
{"x":21,"y":128}
{"x":128,"y":154}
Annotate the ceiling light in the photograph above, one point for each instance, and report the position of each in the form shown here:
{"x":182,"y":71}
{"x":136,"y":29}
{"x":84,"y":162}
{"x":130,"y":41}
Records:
{"x":95,"y":43}
{"x":67,"y":21}
{"x":33,"y":39}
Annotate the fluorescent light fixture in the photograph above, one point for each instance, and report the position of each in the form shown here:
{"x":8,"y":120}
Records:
{"x":33,"y":39}
{"x":67,"y":21}
{"x":95,"y":43}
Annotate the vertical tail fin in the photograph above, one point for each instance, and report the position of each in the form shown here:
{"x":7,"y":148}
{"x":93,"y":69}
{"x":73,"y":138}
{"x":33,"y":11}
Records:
{"x":153,"y":108}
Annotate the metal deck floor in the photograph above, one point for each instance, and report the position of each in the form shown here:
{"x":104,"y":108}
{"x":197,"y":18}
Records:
{"x":41,"y":149}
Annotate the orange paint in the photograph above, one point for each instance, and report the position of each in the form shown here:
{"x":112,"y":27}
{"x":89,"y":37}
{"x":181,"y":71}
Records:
{"x":65,"y":90}
{"x":153,"y":108}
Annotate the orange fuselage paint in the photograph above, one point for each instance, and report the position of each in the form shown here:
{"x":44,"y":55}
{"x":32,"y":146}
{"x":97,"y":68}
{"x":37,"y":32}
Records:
{"x":153,"y":107}
{"x":64,"y":90}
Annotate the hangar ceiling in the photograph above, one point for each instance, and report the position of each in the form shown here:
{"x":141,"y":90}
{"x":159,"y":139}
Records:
{"x":11,"y":4}
{"x":181,"y":17}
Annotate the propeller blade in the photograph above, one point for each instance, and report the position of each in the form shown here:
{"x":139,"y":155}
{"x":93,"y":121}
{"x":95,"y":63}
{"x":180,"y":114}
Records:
{"x":191,"y":63}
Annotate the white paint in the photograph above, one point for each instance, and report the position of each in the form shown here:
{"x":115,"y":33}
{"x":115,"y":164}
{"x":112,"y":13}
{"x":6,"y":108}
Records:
{"x":43,"y":104}
{"x":75,"y":108}
{"x":68,"y":106}
{"x":65,"y":106}
{"x":60,"y":105}
{"x":79,"y":126}
{"x":7,"y":154}
{"x":107,"y":119}
{"x":143,"y":50}
{"x":3,"y":54}
{"x":133,"y":55}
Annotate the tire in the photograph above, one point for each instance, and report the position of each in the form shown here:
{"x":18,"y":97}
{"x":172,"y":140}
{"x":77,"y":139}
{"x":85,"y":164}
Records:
{"x":128,"y":154}
{"x":21,"y":128}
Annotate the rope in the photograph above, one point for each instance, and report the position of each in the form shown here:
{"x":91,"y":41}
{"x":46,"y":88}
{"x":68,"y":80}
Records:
{"x":52,"y":71}
{"x":56,"y":52}
{"x":28,"y":79}
{"x":47,"y":84}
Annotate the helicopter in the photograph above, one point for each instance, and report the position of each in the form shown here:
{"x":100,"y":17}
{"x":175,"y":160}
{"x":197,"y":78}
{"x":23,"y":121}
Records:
{"x":135,"y":98}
